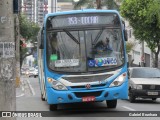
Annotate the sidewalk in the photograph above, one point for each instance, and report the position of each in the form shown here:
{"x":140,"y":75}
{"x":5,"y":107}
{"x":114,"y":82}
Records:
{"x":20,"y":89}
{"x":24,"y":88}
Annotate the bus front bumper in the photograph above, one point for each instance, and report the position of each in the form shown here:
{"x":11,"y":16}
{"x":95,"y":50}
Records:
{"x":59,"y":97}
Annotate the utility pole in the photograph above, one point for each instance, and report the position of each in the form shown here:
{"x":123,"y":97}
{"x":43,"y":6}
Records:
{"x":142,"y":55}
{"x":7,"y":58}
{"x":17,"y":40}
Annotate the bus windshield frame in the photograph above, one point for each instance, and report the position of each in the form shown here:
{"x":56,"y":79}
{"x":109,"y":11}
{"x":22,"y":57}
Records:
{"x":81,"y":42}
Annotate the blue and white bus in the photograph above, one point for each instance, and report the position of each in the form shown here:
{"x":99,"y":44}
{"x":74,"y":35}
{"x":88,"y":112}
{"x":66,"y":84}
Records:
{"x":82,"y":58}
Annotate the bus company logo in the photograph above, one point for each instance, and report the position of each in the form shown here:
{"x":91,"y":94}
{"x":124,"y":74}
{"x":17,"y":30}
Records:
{"x":88,"y":86}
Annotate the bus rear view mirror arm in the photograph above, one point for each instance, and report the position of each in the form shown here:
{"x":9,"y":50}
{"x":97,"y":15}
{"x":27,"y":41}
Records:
{"x":125,"y":35}
{"x":41,"y":46}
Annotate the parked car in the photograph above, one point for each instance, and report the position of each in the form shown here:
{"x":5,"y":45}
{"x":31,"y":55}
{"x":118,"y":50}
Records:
{"x":23,"y":72}
{"x":33,"y":72}
{"x":144,"y":82}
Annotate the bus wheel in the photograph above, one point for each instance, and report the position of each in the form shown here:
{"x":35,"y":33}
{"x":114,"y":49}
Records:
{"x":53,"y":107}
{"x":111,"y":103}
{"x":43,"y":99}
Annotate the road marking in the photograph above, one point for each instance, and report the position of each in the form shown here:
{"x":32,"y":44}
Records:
{"x":22,"y":88}
{"x":128,"y":108}
{"x":31,"y":88}
{"x":20,"y":95}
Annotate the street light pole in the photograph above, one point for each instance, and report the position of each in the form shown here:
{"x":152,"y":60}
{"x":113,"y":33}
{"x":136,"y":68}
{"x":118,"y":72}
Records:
{"x":142,"y":55}
{"x":7,"y":58}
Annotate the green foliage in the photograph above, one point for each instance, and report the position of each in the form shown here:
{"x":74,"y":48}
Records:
{"x":144,"y":17}
{"x":129,"y":46}
{"x":81,"y":3}
{"x":28,"y":31}
{"x":110,"y":4}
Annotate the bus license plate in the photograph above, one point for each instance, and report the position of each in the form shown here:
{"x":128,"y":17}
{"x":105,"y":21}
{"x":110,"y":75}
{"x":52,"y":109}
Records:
{"x":152,"y":93}
{"x":88,"y":99}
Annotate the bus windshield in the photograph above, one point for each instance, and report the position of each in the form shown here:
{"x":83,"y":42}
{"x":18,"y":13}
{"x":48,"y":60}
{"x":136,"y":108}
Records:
{"x":84,"y":44}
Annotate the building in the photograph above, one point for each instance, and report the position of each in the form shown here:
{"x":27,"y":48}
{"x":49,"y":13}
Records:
{"x":35,"y":10}
{"x":28,"y":9}
{"x":65,"y":5}
{"x":136,"y":56}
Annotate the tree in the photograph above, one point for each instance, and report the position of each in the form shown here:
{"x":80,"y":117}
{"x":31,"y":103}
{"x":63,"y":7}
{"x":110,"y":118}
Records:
{"x":129,"y":46}
{"x":110,"y":4}
{"x":144,"y":17}
{"x":28,"y":31}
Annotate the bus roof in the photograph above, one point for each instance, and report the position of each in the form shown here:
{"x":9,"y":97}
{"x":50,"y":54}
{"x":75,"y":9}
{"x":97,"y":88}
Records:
{"x":81,"y":11}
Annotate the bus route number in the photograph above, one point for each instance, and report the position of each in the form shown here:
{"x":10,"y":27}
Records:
{"x":82,"y":20}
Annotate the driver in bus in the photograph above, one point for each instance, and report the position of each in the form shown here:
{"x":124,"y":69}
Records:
{"x":103,"y":45}
{"x":54,"y":45}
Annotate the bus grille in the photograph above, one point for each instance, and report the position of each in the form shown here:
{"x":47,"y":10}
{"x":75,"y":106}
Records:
{"x":80,"y":79}
{"x":92,"y":86}
{"x":85,"y":94}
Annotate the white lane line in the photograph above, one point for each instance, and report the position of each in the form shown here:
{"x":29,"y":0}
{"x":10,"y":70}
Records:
{"x":22,"y":88}
{"x":128,"y":108}
{"x":31,"y":88}
{"x":20,"y":95}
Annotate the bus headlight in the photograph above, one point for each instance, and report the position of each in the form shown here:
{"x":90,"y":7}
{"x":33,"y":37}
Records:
{"x":119,"y":80}
{"x":56,"y":84}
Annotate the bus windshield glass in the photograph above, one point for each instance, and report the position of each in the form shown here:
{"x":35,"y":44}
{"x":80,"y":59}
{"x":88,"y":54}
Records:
{"x":93,"y":47}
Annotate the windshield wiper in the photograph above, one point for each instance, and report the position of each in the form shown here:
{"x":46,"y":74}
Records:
{"x":71,"y":36}
{"x":98,"y":36}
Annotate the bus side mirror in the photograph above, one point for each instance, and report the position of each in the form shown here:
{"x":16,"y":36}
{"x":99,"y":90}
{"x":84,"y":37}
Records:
{"x":41,"y":46}
{"x":125,"y":31}
{"x":128,"y":72}
{"x":125,"y":35}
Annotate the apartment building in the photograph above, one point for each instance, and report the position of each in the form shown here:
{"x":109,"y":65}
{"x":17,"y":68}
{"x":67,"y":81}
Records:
{"x":28,"y":9}
{"x":35,"y":10}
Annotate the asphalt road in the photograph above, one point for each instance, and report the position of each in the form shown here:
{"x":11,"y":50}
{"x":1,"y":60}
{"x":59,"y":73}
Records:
{"x":28,"y":99}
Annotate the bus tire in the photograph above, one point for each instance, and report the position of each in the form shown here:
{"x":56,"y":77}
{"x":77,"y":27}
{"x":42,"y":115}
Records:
{"x":43,"y":99}
{"x":111,"y":103}
{"x":53,"y":107}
